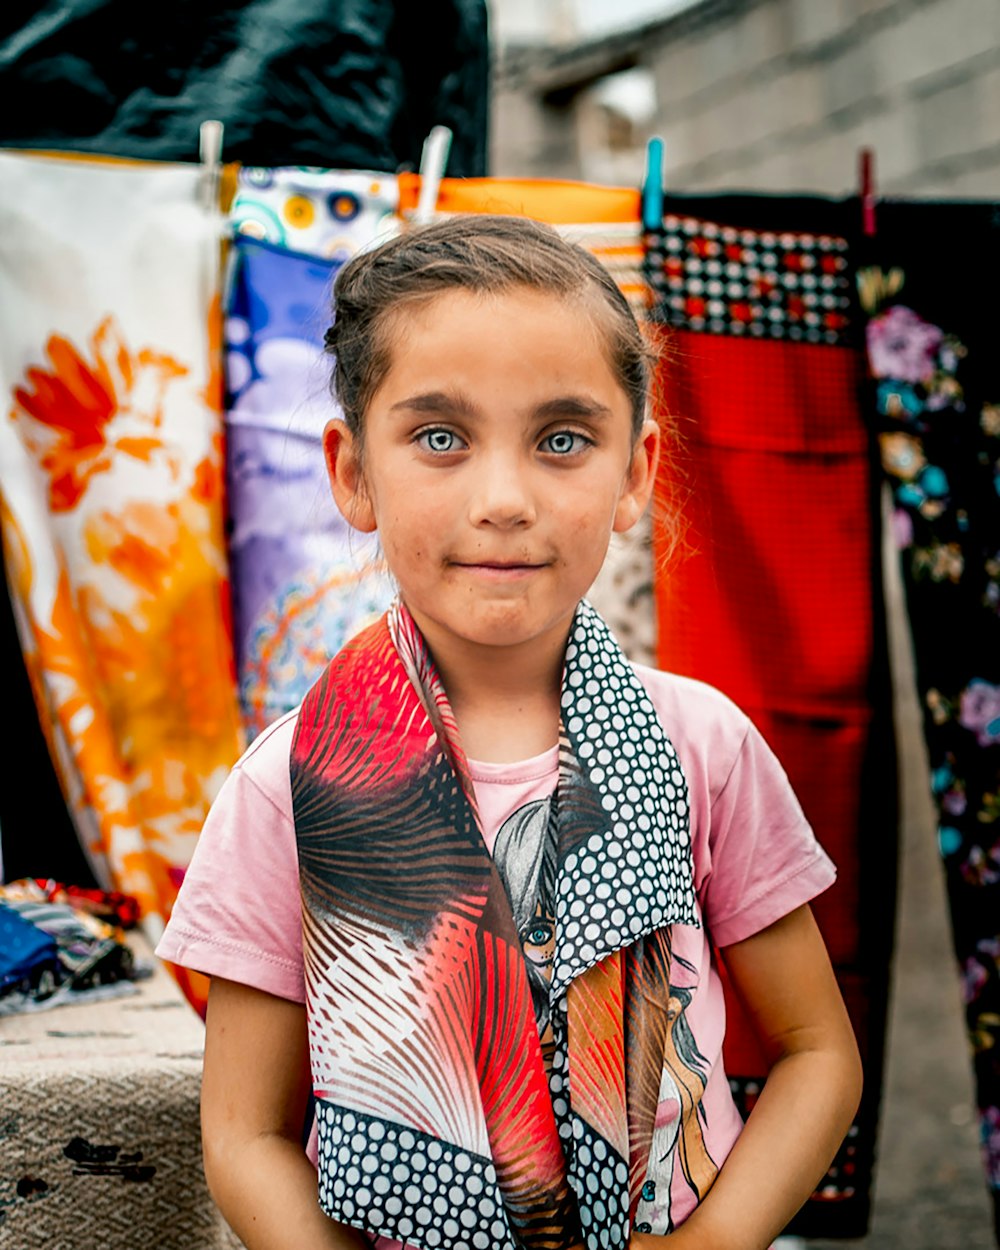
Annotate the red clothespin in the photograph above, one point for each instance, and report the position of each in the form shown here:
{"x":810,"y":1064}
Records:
{"x":866,"y":177}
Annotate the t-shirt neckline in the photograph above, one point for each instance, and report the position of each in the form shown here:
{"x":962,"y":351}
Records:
{"x":535,"y":768}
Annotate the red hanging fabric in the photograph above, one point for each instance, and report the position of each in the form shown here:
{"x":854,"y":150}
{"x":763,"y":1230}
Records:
{"x":769,"y":588}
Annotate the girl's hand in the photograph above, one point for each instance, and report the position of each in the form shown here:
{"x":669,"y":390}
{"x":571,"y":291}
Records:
{"x":255,"y":1090}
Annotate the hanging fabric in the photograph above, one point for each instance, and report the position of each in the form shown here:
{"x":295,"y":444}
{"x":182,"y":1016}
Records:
{"x":111,"y":481}
{"x":769,"y":585}
{"x":935,"y":399}
{"x":603,"y":219}
{"x":325,"y":213}
{"x":303,"y":580}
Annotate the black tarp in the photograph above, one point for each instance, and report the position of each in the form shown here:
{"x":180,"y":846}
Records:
{"x":349,"y":84}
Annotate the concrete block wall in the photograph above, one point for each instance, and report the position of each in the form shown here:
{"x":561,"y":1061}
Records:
{"x":780,"y":95}
{"x":531,"y":139}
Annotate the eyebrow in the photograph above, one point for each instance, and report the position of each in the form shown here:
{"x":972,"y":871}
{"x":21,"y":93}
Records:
{"x":437,"y":402}
{"x":572,"y":406}
{"x":441,"y":403}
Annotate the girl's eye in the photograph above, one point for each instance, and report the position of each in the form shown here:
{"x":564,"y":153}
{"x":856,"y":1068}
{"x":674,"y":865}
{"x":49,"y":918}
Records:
{"x":564,"y":442}
{"x":438,"y":440}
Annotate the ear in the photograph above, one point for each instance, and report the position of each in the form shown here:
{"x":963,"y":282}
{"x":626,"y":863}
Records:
{"x":343,"y":466}
{"x":639,"y":482}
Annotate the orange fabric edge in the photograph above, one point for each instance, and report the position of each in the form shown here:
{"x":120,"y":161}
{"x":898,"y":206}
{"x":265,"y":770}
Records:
{"x":556,"y":201}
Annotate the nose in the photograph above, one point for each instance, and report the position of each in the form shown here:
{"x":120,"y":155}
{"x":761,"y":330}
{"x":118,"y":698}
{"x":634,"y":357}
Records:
{"x":502,"y":495}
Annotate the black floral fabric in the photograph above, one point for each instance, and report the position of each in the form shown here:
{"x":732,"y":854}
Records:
{"x":935,"y":393}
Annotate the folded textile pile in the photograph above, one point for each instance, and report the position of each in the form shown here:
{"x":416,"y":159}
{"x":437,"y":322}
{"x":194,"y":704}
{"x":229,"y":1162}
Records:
{"x":60,"y":945}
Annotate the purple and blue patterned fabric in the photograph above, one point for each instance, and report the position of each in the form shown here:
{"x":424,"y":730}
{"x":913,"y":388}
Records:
{"x":302,"y":581}
{"x":326,"y":213}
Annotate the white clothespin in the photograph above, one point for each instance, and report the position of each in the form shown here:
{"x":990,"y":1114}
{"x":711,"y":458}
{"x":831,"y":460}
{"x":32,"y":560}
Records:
{"x":433,"y":160}
{"x":210,"y":154}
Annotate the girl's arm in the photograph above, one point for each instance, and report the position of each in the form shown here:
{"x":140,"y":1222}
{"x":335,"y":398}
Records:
{"x":255,"y":1089}
{"x":783,"y":976}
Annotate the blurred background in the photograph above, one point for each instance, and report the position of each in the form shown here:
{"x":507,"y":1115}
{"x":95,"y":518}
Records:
{"x":768,"y":95}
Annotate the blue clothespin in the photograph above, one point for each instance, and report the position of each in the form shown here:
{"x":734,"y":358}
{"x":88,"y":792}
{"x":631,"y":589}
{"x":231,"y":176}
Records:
{"x":652,"y":187}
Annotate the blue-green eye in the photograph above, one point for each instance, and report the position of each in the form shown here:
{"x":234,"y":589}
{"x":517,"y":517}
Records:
{"x":439,"y":440}
{"x":564,"y":442}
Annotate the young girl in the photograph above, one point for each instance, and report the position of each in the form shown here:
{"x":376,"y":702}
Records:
{"x":462,"y":909}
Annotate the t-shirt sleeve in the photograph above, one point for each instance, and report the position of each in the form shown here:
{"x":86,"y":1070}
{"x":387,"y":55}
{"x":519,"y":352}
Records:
{"x":238,"y":911}
{"x":756,"y":857}
{"x":764,"y":859}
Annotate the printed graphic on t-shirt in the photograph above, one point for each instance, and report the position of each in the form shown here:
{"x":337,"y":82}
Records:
{"x":681,"y":1119}
{"x":525,"y":857}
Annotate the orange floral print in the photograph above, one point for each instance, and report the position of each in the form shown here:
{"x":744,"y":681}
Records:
{"x":123,"y":604}
{"x":90,"y":410}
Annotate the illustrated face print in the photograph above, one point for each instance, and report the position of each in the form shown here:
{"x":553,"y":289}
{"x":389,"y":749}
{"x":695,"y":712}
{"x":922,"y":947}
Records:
{"x":538,"y":941}
{"x":524,"y":854}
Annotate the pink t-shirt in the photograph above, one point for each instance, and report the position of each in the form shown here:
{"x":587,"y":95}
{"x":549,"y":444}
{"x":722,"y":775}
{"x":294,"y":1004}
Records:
{"x":238,"y":912}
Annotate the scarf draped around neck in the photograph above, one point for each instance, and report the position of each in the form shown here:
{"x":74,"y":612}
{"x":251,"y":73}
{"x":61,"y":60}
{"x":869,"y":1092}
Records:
{"x":445,"y":1120}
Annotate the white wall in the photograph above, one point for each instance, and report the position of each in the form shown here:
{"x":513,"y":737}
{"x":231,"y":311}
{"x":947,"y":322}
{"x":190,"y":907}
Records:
{"x":780,"y":95}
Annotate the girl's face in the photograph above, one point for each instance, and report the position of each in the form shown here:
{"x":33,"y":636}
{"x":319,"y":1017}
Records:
{"x":498,"y":459}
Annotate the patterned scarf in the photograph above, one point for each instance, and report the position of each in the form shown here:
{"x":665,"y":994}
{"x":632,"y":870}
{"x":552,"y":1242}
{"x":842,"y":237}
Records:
{"x":443,"y":1119}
